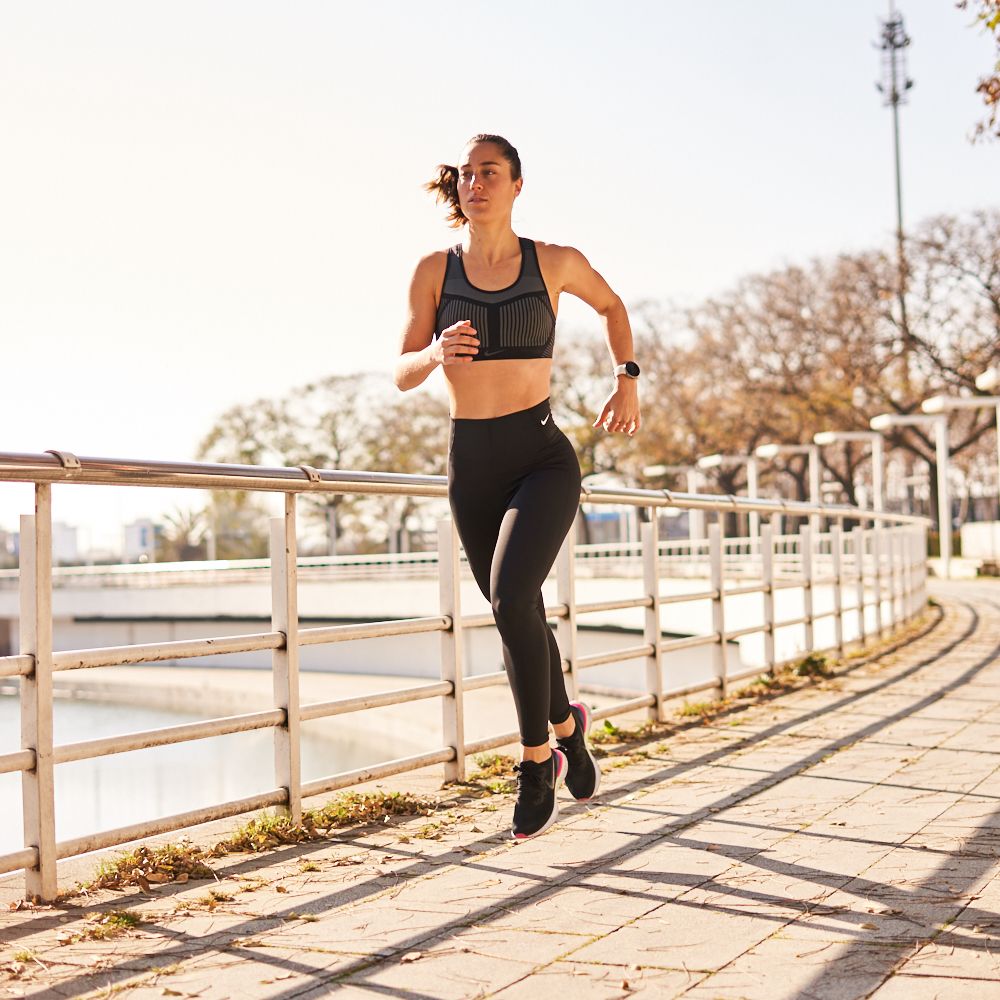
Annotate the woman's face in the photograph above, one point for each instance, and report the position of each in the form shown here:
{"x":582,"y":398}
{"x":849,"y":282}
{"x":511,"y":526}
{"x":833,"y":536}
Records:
{"x":486,"y":191}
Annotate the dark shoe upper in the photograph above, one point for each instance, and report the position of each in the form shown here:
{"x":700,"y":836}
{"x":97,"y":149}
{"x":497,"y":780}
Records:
{"x":536,"y":795}
{"x":582,"y":775}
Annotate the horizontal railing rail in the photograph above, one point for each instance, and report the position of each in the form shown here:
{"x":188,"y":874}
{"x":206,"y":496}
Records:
{"x":875,"y":572}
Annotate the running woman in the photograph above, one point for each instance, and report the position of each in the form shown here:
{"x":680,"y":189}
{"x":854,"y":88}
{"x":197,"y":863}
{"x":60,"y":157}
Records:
{"x":485,"y":311}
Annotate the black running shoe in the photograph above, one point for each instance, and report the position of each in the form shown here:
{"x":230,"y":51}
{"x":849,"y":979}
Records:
{"x":583,"y":776}
{"x":537,"y":808}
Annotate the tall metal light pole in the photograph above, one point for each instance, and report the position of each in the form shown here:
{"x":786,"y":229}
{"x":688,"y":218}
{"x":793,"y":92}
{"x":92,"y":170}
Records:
{"x":716,"y":461}
{"x":696,"y":518}
{"x":771,"y":451}
{"x":940,"y":424}
{"x":943,"y":404}
{"x":989,"y":381}
{"x":894,"y":86}
{"x":878,"y":458}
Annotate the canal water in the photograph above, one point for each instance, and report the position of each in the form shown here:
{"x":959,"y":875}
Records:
{"x":125,"y":788}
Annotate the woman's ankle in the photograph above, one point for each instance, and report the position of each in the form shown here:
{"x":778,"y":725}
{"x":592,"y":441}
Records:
{"x":566,"y":728}
{"x":537,"y":754}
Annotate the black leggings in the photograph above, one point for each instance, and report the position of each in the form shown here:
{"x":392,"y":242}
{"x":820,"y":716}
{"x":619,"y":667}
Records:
{"x":514,"y":490}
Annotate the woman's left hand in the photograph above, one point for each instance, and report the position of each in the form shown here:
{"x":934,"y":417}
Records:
{"x":621,"y":410}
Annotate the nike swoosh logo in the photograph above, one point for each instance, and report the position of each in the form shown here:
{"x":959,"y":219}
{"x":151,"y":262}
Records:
{"x":546,"y":420}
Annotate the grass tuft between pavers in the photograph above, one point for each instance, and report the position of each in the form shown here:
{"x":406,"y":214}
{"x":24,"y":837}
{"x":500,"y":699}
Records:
{"x":181,"y":861}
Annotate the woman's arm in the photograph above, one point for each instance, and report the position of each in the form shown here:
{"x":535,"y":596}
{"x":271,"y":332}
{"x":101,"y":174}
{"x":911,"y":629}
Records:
{"x":620,"y":411}
{"x":419,"y":352}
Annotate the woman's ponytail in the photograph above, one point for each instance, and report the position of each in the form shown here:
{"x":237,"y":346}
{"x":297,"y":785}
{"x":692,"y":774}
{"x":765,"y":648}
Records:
{"x":444,"y":187}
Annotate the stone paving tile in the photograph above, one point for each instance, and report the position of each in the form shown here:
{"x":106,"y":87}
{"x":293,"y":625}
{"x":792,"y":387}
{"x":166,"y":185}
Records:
{"x":842,"y":916}
{"x":825,"y":971}
{"x":688,"y":933}
{"x":905,"y":987}
{"x":593,"y":981}
{"x":590,"y":909}
{"x":959,"y":951}
{"x":462,"y":964}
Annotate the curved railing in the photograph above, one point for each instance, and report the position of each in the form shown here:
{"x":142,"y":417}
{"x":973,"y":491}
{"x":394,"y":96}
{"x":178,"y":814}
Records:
{"x":871,"y":566}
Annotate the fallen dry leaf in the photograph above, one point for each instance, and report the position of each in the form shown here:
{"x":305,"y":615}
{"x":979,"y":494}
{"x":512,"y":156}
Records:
{"x":412,"y":956}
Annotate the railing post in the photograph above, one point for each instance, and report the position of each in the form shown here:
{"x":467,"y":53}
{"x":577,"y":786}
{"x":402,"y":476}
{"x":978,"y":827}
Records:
{"x":452,"y":669}
{"x":651,"y":583}
{"x":907,"y":566}
{"x":566,"y":594}
{"x":808,"y":573}
{"x":836,"y":551}
{"x":285,"y":660}
{"x":899,"y":565}
{"x":767,"y":579}
{"x":877,"y":533}
{"x":858,"y":536}
{"x":718,"y":615}
{"x":35,"y":628}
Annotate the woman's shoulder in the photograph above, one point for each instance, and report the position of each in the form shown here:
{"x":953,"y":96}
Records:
{"x":431,"y":267}
{"x":555,"y":258}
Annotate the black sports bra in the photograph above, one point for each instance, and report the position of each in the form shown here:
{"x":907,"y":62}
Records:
{"x":514,"y":322}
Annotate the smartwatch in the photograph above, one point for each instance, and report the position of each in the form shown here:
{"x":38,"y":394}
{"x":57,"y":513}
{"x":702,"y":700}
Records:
{"x":630,"y":368}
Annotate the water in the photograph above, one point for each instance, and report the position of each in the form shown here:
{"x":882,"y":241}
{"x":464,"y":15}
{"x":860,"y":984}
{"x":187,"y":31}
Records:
{"x":121,"y":789}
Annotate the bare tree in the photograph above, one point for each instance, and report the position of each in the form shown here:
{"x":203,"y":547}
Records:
{"x":988,"y":15}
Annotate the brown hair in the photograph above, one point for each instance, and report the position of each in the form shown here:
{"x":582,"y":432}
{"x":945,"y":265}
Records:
{"x":444,"y":187}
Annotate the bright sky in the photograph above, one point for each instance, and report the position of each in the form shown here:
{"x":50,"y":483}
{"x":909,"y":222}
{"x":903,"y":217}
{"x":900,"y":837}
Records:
{"x":207,"y":202}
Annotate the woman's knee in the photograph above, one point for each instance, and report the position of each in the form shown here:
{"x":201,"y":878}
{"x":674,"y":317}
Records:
{"x":513,"y":607}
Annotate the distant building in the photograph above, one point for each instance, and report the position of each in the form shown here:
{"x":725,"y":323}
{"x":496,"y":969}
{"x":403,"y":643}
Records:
{"x":140,"y":541}
{"x":8,"y":548}
{"x":65,"y":544}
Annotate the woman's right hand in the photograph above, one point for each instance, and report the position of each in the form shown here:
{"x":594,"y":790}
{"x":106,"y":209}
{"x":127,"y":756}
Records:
{"x":456,"y":345}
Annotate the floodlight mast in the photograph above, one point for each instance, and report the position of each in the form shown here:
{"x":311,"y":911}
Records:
{"x":895,"y":83}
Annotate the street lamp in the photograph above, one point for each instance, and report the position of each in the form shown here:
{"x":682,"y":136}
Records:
{"x":939,"y":422}
{"x":877,"y":443}
{"x":989,"y":381}
{"x":942,"y":404}
{"x":771,"y":451}
{"x":717,"y":461}
{"x":696,"y":518}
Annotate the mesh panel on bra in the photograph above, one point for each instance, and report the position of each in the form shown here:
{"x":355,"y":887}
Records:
{"x":525,"y":323}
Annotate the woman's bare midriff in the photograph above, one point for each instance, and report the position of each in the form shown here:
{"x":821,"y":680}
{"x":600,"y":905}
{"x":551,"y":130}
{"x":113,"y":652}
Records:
{"x":483,"y":389}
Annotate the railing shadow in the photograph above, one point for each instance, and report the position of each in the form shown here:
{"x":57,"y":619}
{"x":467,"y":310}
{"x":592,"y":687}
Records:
{"x":542,"y":887}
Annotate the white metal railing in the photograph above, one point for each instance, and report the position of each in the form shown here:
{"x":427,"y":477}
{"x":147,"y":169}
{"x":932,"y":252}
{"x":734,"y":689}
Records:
{"x":880,"y":562}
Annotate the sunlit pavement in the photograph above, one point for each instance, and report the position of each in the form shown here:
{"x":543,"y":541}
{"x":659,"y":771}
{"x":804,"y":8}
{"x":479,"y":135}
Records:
{"x":839,"y":841}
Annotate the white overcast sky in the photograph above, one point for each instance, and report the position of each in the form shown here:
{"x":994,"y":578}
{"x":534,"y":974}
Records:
{"x":206,"y":202}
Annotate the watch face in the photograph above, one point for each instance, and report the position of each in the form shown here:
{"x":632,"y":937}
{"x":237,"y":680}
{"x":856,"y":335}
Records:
{"x":632,"y":369}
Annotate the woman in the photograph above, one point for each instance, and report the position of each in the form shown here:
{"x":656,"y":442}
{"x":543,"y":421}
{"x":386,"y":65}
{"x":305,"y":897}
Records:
{"x":485,"y":312}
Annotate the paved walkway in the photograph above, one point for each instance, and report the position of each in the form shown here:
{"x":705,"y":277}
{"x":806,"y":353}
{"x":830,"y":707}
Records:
{"x":840,"y":841}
